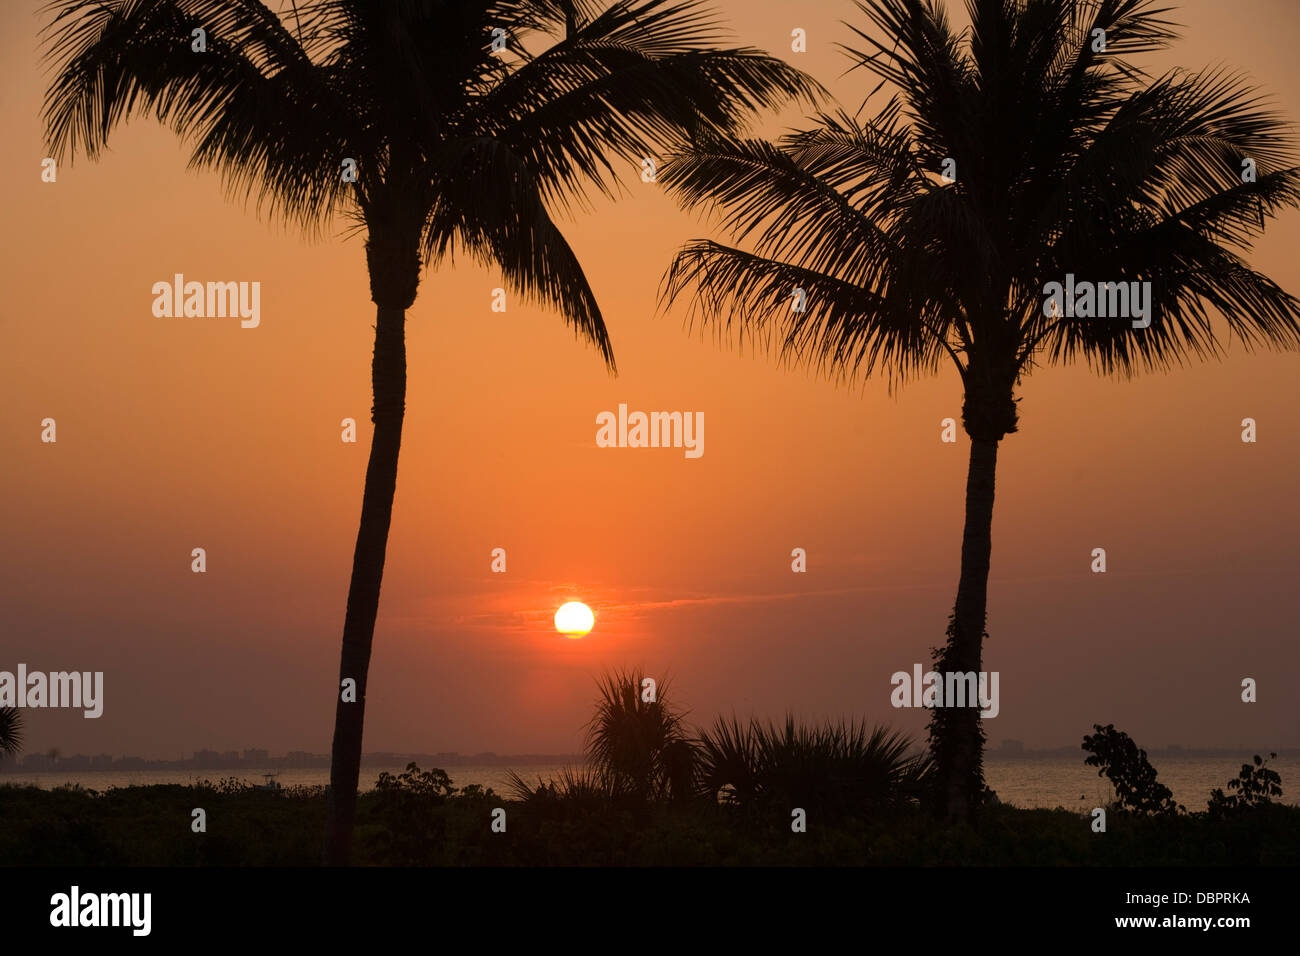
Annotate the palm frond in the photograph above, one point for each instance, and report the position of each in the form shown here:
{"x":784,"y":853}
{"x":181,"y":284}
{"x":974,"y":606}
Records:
{"x":1067,"y":159}
{"x":843,"y":330}
{"x":640,"y":744}
{"x":254,"y":105}
{"x":631,"y":83}
{"x":838,"y":768}
{"x":490,"y":203}
{"x":11,"y":731}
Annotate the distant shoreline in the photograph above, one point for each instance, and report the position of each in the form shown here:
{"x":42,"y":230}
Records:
{"x":298,"y":760}
{"x":40,"y":763}
{"x":1173,"y":751}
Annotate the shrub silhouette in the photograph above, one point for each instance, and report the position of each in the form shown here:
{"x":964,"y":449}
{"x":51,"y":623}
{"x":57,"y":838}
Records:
{"x":11,"y":731}
{"x":1126,"y":766}
{"x":833,"y":769}
{"x":640,"y":746}
{"x":1255,"y":786}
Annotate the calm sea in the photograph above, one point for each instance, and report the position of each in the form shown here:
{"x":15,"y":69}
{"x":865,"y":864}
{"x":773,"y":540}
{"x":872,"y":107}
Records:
{"x":1026,"y":782}
{"x":1069,"y":782}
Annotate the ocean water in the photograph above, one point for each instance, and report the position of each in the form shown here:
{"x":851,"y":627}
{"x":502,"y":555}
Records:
{"x":1029,"y":782}
{"x":1050,"y":782}
{"x":496,"y":777}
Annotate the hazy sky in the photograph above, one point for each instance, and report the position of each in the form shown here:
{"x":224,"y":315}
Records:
{"x":183,"y":433}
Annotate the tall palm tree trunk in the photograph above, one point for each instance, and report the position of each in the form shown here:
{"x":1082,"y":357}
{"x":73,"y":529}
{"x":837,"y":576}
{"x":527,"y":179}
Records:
{"x":388,"y":377}
{"x":956,"y":735}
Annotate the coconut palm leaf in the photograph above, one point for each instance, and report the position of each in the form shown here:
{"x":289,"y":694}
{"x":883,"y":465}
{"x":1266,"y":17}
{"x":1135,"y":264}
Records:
{"x":11,"y":731}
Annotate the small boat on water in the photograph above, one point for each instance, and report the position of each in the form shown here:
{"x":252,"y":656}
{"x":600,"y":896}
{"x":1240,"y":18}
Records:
{"x":272,"y":785}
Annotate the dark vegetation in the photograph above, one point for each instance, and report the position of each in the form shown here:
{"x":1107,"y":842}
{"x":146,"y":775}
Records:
{"x":11,"y":731}
{"x":654,"y":794}
{"x":1125,"y":765}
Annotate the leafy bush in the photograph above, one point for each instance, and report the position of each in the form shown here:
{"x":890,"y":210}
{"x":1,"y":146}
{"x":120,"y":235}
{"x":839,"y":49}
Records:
{"x":432,"y":784}
{"x":225,"y":785}
{"x":403,"y":823}
{"x":1129,"y":772}
{"x":1253,"y":787}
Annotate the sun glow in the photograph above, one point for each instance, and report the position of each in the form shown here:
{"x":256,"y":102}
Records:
{"x":574,"y":619}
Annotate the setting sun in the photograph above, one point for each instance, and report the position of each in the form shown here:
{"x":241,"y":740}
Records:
{"x":574,"y":619}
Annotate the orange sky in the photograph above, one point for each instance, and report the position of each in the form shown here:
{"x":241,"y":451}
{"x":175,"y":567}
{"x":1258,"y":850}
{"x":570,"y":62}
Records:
{"x":183,"y":433}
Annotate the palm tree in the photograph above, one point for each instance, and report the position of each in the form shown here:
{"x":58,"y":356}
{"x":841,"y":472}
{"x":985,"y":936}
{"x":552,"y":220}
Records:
{"x":468,"y":121}
{"x":836,"y":768}
{"x":1008,"y":155}
{"x":11,"y":731}
{"x":640,"y":745}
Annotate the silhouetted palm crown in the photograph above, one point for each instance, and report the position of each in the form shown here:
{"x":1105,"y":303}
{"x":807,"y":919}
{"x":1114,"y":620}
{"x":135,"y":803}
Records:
{"x":1066,"y":159}
{"x":455,"y":142}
